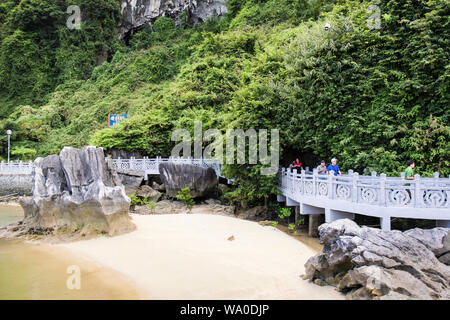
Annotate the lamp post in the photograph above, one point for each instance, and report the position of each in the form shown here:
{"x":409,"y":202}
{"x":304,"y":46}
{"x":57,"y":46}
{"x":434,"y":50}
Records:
{"x":9,"y":132}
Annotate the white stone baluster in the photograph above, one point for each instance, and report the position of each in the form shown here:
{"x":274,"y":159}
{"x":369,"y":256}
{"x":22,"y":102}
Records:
{"x":418,"y":203}
{"x":293,"y":188}
{"x":436,"y":179}
{"x":382,"y":194}
{"x":303,"y":178}
{"x":330,"y":184}
{"x":315,"y":181}
{"x":355,"y":178}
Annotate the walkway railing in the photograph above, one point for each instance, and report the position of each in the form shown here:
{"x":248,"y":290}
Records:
{"x":16,"y":167}
{"x":375,"y":190}
{"x":151,"y":165}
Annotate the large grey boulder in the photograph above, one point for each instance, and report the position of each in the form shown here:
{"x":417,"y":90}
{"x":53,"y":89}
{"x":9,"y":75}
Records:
{"x":148,"y":193}
{"x":437,"y":240}
{"x":201,"y":181}
{"x":138,"y":13}
{"x":77,"y":190}
{"x":369,"y":263}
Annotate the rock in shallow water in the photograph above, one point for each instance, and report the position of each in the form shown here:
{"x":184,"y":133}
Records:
{"x":77,"y":190}
{"x":377,"y":264}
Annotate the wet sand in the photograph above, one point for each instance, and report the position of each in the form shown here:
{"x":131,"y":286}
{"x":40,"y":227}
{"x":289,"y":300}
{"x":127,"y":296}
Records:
{"x":189,"y":256}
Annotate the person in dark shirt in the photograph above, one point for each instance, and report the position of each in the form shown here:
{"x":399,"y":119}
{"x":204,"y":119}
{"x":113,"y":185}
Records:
{"x":297,"y":165}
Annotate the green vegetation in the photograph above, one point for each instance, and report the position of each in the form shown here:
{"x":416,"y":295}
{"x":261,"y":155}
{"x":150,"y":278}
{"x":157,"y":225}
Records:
{"x":184,"y":195}
{"x":284,"y":213}
{"x":373,"y":98}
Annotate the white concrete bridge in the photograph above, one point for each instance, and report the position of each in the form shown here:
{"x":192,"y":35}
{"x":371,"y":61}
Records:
{"x":380,"y":196}
{"x":150,"y":166}
{"x":336,"y":197}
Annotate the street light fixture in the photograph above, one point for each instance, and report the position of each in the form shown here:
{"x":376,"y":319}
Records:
{"x":329,"y":26}
{"x":9,"y":132}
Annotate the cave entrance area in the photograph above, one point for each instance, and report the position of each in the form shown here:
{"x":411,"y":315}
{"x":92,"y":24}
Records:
{"x":306,"y":157}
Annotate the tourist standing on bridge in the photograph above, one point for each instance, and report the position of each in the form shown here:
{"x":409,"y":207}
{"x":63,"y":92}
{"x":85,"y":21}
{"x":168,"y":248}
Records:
{"x":334,"y":167}
{"x":409,"y":172}
{"x":322,"y":168}
{"x":297,"y":165}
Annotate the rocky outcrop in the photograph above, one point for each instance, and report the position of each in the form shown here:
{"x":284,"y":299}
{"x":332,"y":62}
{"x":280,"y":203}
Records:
{"x":77,"y":191}
{"x":437,"y":240}
{"x":369,"y":263}
{"x":137,"y":13}
{"x":148,"y":193}
{"x":254,"y":213}
{"x":130,"y":179}
{"x":202,"y":182}
{"x":177,"y":207}
{"x":158,"y":187}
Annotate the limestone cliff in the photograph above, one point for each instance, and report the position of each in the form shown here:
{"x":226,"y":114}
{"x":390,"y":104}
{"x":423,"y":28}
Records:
{"x":137,"y":13}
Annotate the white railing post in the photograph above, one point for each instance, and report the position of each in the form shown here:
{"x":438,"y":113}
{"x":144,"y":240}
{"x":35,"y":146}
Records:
{"x":330,"y":184}
{"x":382,"y":198}
{"x":315,"y":181}
{"x":303,"y":182}
{"x":436,"y":178}
{"x":355,"y":177}
{"x":292,"y":182}
{"x":131,"y":162}
{"x":418,"y":195}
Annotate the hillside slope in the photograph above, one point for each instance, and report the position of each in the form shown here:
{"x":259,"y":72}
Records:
{"x":371,"y":97}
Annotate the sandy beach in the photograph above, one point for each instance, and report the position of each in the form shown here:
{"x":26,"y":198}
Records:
{"x":189,"y":256}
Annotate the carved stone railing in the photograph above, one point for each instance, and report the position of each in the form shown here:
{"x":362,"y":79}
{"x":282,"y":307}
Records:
{"x":16,"y":167}
{"x":372,"y":190}
{"x":151,"y":165}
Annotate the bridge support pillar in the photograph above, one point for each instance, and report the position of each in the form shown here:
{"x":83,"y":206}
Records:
{"x":291,"y":203}
{"x":314,"y":220}
{"x":443,"y":223}
{"x":297,"y":213}
{"x":332,"y":215}
{"x":307,"y":209}
{"x":385,"y":223}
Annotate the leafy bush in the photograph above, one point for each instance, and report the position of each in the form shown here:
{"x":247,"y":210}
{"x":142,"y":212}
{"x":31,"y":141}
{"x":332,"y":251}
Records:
{"x":184,"y":195}
{"x":23,"y":153}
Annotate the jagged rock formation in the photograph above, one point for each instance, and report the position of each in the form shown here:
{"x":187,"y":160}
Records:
{"x":131,"y":179}
{"x":138,"y":13}
{"x":77,"y":190}
{"x":202,"y":182}
{"x":369,"y":263}
{"x":148,"y":193}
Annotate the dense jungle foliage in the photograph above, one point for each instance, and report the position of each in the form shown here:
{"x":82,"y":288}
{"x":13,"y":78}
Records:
{"x":372,"y":97}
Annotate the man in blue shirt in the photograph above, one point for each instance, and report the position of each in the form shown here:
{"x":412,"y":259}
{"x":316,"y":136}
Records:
{"x":334,"y":167}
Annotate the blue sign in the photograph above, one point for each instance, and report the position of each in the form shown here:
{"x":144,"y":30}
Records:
{"x":115,"y":119}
